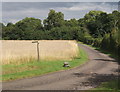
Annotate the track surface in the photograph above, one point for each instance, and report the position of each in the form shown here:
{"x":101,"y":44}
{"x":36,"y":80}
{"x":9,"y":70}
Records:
{"x":100,"y":68}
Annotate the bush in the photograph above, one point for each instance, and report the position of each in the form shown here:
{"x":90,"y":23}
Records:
{"x":105,"y":42}
{"x":97,"y":42}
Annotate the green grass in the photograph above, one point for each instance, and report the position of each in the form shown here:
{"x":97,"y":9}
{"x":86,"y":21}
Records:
{"x":35,"y":68}
{"x":109,"y":86}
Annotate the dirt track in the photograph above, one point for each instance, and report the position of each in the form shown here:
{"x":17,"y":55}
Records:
{"x":100,"y":68}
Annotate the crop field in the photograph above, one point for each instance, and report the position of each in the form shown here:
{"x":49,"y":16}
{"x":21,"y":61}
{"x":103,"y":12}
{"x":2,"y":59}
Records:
{"x":20,"y":51}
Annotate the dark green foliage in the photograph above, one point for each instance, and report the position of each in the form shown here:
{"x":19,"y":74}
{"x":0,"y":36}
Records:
{"x":22,"y":30}
{"x":97,"y":42}
{"x":105,"y":42}
{"x":54,"y":19}
{"x":71,"y":23}
{"x":1,"y":26}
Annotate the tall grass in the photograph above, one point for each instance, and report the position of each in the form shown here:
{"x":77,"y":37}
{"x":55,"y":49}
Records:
{"x":21,"y":51}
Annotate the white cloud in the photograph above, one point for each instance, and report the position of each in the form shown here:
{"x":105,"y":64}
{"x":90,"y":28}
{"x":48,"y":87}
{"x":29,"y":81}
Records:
{"x":90,"y":6}
{"x":80,"y":9}
{"x":13,"y":20}
{"x":14,"y":16}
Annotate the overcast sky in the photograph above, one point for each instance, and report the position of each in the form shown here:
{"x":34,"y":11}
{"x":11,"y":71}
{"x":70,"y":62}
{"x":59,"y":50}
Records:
{"x":60,"y":0}
{"x":15,"y":11}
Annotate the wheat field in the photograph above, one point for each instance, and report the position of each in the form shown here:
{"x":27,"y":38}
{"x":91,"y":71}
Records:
{"x":20,"y":51}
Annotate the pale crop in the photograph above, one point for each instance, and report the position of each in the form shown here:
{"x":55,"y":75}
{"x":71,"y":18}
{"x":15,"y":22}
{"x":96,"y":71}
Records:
{"x":20,"y":51}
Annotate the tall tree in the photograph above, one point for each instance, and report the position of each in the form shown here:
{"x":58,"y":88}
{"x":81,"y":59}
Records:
{"x":27,"y":27}
{"x":72,"y":22}
{"x":91,"y":16}
{"x":54,"y":19}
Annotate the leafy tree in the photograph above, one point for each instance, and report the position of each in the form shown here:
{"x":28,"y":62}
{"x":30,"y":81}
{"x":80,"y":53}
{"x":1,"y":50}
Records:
{"x":30,"y":24}
{"x":27,"y":27}
{"x":7,"y":31}
{"x":54,"y":19}
{"x":1,"y":26}
{"x":90,"y":22}
{"x":71,"y":23}
{"x":81,"y":22}
{"x":10,"y":24}
{"x":91,"y":16}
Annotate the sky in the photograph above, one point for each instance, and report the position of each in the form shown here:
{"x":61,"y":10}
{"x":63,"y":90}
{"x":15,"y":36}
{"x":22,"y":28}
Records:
{"x":15,"y":11}
{"x":60,"y":0}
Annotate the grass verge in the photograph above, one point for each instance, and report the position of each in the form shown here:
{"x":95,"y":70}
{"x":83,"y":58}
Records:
{"x":111,"y":86}
{"x":35,"y":68}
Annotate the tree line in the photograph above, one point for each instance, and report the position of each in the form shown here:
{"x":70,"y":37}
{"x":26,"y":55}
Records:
{"x":96,"y":28}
